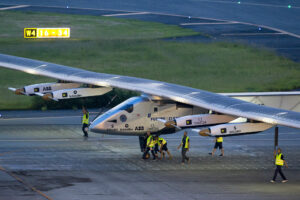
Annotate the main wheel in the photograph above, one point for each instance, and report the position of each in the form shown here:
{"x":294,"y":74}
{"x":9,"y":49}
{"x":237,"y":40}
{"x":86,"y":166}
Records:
{"x":147,"y":155}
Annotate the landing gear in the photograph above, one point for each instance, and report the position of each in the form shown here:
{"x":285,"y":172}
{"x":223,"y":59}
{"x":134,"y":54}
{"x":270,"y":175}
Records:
{"x":142,"y":140}
{"x":143,"y":143}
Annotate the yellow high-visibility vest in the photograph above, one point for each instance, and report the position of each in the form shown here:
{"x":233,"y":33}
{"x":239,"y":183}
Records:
{"x":161,"y":141}
{"x":186,"y":142}
{"x":85,"y":118}
{"x":278,"y":160}
{"x":219,"y":139}
{"x":150,"y":141}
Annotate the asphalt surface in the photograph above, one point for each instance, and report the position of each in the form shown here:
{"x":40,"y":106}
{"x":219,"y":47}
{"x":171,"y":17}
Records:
{"x":39,"y":161}
{"x":263,"y":24}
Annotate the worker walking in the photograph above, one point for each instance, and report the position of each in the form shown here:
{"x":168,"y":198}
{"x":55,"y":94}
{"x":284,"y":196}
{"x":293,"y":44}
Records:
{"x":279,"y":162}
{"x":149,"y":146}
{"x":85,"y":121}
{"x":218,"y":144}
{"x":162,"y":143}
{"x":185,"y":144}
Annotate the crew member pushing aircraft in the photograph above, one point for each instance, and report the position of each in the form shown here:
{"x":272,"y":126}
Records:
{"x":85,"y":121}
{"x":150,"y":146}
{"x":162,"y":143}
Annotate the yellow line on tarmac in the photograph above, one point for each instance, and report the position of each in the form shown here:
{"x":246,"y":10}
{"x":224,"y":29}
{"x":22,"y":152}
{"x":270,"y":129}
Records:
{"x":24,"y":183}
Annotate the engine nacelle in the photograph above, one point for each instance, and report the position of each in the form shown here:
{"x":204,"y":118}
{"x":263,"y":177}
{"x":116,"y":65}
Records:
{"x":43,"y":88}
{"x":77,"y":93}
{"x":235,"y":129}
{"x":200,"y":120}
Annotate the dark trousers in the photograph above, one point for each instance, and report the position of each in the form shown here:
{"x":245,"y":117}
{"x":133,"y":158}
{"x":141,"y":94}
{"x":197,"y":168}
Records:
{"x":183,"y":154}
{"x":278,"y":169}
{"x":84,"y":131}
{"x":147,"y":151}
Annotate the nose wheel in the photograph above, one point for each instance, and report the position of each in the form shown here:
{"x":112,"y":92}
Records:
{"x":143,"y":143}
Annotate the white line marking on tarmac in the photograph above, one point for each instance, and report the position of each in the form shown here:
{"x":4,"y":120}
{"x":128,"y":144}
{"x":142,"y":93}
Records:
{"x":248,"y":4}
{"x":124,"y":14}
{"x":246,"y":34}
{"x":208,"y":23}
{"x":14,"y":7}
{"x":288,"y":48}
{"x":274,"y":29}
{"x":240,"y":22}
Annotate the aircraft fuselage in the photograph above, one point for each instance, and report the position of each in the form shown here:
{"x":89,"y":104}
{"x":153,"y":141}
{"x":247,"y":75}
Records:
{"x":138,"y":115}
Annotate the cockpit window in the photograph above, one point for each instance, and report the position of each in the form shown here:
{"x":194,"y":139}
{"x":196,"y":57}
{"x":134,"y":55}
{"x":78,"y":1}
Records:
{"x":129,"y":108}
{"x":127,"y":105}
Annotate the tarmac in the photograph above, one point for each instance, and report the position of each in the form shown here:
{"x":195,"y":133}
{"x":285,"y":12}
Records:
{"x":43,"y":160}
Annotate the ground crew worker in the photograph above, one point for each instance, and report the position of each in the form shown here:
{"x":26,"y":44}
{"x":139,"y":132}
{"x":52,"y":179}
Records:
{"x":185,"y":144}
{"x":156,"y":146}
{"x":218,"y":144}
{"x":85,"y":121}
{"x":279,"y":161}
{"x":162,"y":143}
{"x":149,"y":146}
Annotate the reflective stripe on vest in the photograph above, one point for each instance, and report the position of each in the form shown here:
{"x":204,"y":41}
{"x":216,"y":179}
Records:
{"x":150,"y":142}
{"x":186,"y":142}
{"x":161,"y":141}
{"x":85,"y":119}
{"x":219,"y":139}
{"x":278,"y":160}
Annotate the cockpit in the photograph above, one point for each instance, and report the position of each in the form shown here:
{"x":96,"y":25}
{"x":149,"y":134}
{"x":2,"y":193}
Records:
{"x":119,"y":114}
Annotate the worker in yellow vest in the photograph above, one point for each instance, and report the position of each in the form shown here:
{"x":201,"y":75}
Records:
{"x":149,"y":146}
{"x":218,"y":144}
{"x":162,"y":143}
{"x":85,"y":122}
{"x":279,"y":162}
{"x":185,"y":144}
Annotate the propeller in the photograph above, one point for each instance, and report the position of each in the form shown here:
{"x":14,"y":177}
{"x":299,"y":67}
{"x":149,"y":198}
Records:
{"x":19,"y":91}
{"x":169,"y":124}
{"x":202,"y":132}
{"x":47,"y":96}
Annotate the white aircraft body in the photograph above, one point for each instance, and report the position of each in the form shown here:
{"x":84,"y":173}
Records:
{"x":162,"y":108}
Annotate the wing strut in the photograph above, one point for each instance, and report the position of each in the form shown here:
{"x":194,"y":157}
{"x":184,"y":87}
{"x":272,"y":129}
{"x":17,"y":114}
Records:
{"x":276,"y":138}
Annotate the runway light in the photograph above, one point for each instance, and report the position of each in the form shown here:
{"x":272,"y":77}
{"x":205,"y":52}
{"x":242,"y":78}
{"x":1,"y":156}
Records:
{"x":189,"y":17}
{"x":239,"y":2}
{"x":259,"y":28}
{"x":289,"y":6}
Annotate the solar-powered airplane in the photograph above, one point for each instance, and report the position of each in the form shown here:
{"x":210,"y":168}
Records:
{"x":162,"y":108}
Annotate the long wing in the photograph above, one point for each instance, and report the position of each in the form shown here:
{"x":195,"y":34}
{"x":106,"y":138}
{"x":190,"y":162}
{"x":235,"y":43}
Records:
{"x":178,"y":93}
{"x":283,"y":100}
